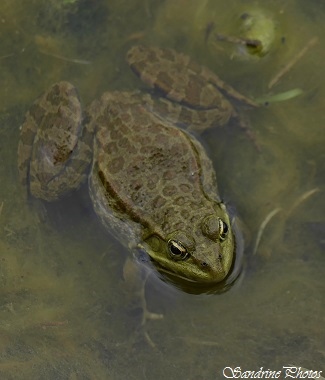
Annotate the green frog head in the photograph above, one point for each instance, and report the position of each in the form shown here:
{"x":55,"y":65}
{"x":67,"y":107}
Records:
{"x":202,"y":253}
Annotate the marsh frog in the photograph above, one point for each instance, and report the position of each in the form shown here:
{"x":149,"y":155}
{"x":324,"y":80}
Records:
{"x":151,"y":183}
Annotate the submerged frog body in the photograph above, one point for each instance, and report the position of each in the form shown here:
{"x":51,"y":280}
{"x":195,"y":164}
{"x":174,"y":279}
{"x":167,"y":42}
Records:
{"x":151,"y":183}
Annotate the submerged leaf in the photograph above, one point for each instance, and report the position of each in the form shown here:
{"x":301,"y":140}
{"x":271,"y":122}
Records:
{"x":282,"y":96}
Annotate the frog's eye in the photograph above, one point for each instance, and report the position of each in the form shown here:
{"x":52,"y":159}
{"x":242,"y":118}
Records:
{"x":223,"y":230}
{"x":177,"y":250}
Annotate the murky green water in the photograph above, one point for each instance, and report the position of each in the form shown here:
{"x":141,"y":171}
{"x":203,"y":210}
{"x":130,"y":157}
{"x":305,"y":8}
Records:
{"x":64,"y":312}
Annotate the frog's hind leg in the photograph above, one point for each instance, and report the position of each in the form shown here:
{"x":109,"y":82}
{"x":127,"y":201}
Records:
{"x":58,"y":145}
{"x":185,"y":117}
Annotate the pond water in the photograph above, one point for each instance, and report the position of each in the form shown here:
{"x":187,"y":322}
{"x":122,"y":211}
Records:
{"x":65,"y":312}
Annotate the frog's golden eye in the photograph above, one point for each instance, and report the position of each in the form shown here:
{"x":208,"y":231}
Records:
{"x":177,"y":250}
{"x":223,"y":230}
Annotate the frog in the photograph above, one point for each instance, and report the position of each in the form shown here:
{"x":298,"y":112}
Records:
{"x":150,"y":180}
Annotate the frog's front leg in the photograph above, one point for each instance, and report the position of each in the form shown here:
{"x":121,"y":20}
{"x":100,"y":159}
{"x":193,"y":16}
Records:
{"x":135,"y":277}
{"x":54,"y":148}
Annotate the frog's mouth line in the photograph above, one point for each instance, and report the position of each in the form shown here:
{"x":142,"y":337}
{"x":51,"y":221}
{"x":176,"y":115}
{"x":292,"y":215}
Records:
{"x":198,"y":287}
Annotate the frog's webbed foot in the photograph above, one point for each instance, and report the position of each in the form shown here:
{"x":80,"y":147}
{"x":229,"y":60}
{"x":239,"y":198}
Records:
{"x":136,"y":277}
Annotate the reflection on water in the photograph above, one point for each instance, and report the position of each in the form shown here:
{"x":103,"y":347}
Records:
{"x":65,"y":313}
